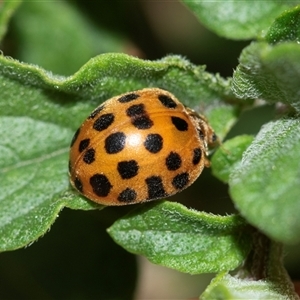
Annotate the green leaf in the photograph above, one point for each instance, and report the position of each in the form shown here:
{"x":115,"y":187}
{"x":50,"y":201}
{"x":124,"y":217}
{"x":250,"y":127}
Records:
{"x":222,"y":118}
{"x":33,"y":174}
{"x":52,"y":27}
{"x":269,"y":72}
{"x":43,"y":111}
{"x":122,"y":73}
{"x":193,"y":242}
{"x":7,"y":8}
{"x":267,"y":278}
{"x":265,"y":185}
{"x":33,"y":160}
{"x":237,"y":19}
{"x":108,"y":75}
{"x":225,"y":286}
{"x":285,"y":28}
{"x":229,"y":155}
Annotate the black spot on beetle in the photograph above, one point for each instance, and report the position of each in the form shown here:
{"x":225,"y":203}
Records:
{"x":100,"y":184}
{"x":180,"y":124}
{"x":167,"y":101}
{"x":75,"y":136}
{"x":115,"y":142}
{"x":180,"y":181}
{"x":78,"y":184}
{"x":128,"y":169}
{"x":83,"y":144}
{"x":153,"y":142}
{"x":155,"y":187}
{"x":127,"y":196}
{"x":70,"y":167}
{"x":139,"y":117}
{"x":96,"y":112}
{"x":89,"y":156}
{"x":173,"y":161}
{"x":128,"y":98}
{"x":142,"y":122}
{"x":197,"y":156}
{"x":135,"y":110}
{"x":103,"y":122}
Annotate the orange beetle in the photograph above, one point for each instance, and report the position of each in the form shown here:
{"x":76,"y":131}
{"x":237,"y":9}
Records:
{"x":137,"y":147}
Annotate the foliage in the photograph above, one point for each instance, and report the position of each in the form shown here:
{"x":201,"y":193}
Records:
{"x":40,"y":111}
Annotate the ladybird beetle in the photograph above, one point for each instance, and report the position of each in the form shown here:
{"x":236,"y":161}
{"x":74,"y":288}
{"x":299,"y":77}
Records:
{"x":137,"y":147}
